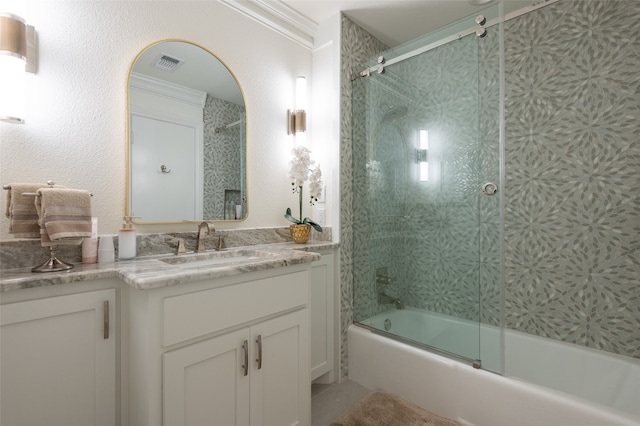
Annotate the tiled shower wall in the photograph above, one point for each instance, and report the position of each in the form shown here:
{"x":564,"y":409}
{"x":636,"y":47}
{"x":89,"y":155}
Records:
{"x":572,"y":203}
{"x":432,"y":237}
{"x":572,"y":229}
{"x":223,"y":154}
{"x":357,"y":46}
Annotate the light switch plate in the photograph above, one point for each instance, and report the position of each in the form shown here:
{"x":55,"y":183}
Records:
{"x":322,"y":198}
{"x":320,"y":216}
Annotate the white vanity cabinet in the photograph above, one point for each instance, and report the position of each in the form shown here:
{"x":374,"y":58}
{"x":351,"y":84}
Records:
{"x":215,"y":381}
{"x":322,"y":317}
{"x":58,"y":359}
{"x":230,"y":351}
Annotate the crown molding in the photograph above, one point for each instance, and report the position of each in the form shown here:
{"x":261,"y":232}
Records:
{"x":279,"y":17}
{"x":171,"y":90}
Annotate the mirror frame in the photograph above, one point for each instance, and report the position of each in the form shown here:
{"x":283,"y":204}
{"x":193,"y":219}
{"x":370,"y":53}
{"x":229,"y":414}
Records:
{"x":127,"y":208}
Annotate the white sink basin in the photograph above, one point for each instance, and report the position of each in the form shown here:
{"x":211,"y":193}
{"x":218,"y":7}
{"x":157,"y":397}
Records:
{"x":221,"y":258}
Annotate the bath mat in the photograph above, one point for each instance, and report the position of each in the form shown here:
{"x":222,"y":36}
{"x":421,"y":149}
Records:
{"x":385,"y":409}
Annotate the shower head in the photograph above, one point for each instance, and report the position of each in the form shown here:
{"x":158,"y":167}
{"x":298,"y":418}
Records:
{"x":394,"y":112}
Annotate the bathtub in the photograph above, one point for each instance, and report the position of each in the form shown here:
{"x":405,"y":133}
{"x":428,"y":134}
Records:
{"x":577,"y":386}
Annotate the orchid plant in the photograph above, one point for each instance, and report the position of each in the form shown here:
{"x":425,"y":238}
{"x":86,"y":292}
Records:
{"x":301,"y":171}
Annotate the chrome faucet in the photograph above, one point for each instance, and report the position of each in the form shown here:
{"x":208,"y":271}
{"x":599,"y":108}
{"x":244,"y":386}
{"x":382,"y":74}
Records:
{"x":383,"y":282}
{"x":203,"y":229}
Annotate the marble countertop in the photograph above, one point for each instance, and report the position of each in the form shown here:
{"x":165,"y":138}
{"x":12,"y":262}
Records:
{"x":145,"y":273}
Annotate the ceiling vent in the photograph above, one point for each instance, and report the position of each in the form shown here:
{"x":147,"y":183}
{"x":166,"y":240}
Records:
{"x":167,"y":63}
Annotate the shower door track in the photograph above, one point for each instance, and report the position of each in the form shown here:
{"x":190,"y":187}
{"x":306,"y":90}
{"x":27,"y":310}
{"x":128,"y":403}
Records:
{"x":458,"y":35}
{"x":475,"y":363}
{"x":376,"y":68}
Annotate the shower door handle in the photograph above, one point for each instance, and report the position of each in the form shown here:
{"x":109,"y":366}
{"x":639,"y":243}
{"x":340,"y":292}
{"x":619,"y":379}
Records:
{"x":489,"y":188}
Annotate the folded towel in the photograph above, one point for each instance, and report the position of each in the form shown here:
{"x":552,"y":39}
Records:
{"x":64,"y":215}
{"x":21,"y":210}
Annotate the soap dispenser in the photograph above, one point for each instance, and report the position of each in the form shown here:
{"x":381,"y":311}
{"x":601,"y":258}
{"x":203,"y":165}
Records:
{"x":127,"y":240}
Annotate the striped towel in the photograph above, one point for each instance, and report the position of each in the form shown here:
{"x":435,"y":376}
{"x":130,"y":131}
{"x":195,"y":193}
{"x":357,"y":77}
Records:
{"x":65,"y":215}
{"x":21,"y":210}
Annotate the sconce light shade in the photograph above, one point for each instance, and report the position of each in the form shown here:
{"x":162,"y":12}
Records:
{"x":297,"y":119}
{"x":15,"y":44}
{"x":13,"y":36}
{"x":12,"y":88}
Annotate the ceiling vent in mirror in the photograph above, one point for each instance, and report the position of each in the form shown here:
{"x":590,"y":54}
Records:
{"x":168,"y":63}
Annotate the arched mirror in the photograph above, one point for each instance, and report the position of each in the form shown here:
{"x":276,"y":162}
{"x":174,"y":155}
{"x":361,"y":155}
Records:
{"x":186,"y":137}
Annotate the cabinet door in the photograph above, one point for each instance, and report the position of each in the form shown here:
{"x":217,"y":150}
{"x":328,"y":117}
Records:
{"x":57,"y":361}
{"x":322,"y":317}
{"x":280,"y":377}
{"x":205,"y":383}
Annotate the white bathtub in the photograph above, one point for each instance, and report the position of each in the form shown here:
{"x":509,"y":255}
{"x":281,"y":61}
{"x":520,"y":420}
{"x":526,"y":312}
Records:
{"x":445,"y":332}
{"x":607,"y":387}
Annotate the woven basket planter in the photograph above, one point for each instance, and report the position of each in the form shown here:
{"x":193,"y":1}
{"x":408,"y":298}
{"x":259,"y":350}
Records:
{"x":300,"y":233}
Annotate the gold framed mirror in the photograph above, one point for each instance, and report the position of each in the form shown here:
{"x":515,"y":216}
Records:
{"x":186,"y":137}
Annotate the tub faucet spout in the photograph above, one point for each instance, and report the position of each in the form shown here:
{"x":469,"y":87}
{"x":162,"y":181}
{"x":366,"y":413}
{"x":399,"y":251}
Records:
{"x":384,"y":298}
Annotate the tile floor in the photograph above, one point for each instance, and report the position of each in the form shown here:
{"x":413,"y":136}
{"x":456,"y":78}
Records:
{"x":329,"y":401}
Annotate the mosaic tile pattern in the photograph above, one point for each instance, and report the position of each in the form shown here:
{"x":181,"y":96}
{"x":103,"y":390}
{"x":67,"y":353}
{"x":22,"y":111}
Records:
{"x":396,"y":213}
{"x":223,"y":155}
{"x":358,"y":47}
{"x":437,"y":246}
{"x":490,"y":217}
{"x":572,"y":214}
{"x":416,"y":229}
{"x":572,"y":203}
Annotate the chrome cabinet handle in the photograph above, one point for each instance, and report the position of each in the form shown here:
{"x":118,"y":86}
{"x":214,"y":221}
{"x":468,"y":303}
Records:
{"x":105,"y":323}
{"x":259,"y":360}
{"x":245,"y":366}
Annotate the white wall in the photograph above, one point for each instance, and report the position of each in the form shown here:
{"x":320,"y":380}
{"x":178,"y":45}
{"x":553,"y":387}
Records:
{"x":325,"y":111}
{"x":75,"y":131}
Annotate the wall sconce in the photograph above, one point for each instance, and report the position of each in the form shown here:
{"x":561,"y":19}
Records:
{"x":17,"y":56}
{"x":297,"y":119}
{"x":422,"y":156}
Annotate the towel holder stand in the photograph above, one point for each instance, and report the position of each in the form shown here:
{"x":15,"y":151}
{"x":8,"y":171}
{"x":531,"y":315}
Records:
{"x":52,"y":264}
{"x":49,"y":182}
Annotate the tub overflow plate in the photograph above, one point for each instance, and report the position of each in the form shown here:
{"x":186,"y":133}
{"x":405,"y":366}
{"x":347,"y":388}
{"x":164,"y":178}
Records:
{"x":387,"y":324}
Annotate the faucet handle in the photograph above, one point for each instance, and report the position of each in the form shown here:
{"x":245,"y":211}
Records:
{"x":180,"y":241}
{"x":220,"y":245}
{"x":383,"y":280}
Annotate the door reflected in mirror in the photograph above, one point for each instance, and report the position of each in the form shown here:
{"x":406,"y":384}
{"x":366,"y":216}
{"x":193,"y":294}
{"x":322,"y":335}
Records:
{"x":186,"y":137}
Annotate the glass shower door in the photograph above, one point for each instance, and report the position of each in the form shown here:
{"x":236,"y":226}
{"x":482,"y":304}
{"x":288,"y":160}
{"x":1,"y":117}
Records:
{"x":420,"y":155}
